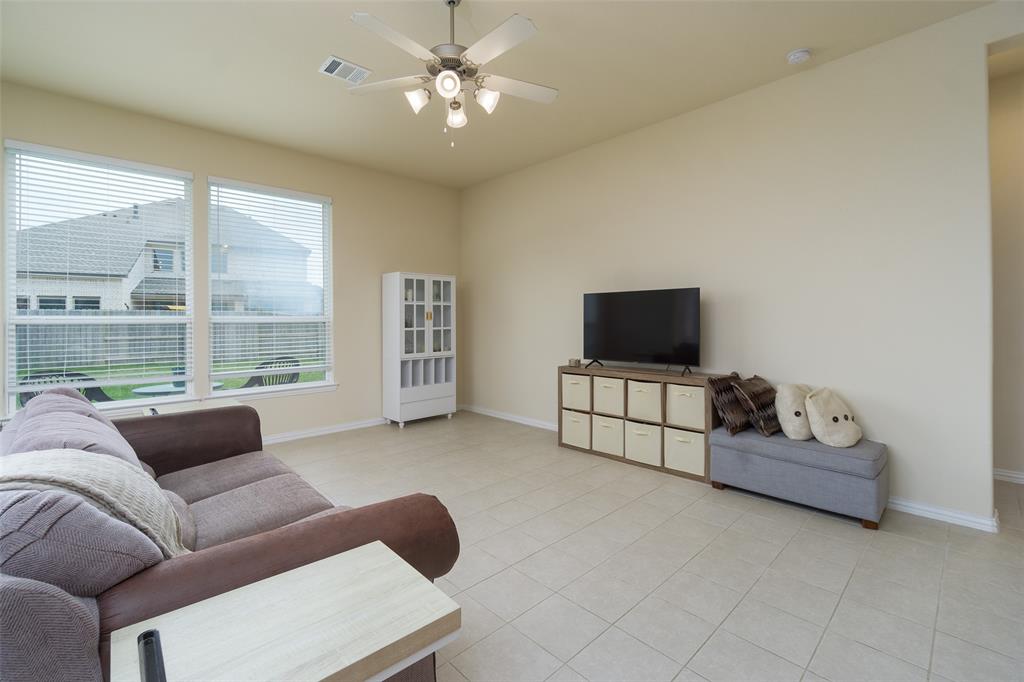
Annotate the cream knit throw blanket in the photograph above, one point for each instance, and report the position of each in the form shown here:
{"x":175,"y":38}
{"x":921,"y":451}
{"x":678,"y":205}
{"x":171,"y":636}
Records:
{"x":112,"y":485}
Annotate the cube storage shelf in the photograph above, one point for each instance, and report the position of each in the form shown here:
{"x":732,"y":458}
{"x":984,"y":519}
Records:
{"x":650,"y":418}
{"x":418,"y":354}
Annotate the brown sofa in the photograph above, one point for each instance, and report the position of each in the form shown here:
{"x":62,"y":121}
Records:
{"x":253,"y":517}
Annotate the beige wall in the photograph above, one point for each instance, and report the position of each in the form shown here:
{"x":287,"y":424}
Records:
{"x":1006,"y":143}
{"x":837,"y":222}
{"x":380,"y":223}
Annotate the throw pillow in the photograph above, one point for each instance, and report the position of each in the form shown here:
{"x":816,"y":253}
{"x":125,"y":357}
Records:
{"x":831,"y":419}
{"x":64,"y":399}
{"x":58,"y":538}
{"x":792,"y":413}
{"x":758,"y":399}
{"x":59,"y":430}
{"x":732,"y":414}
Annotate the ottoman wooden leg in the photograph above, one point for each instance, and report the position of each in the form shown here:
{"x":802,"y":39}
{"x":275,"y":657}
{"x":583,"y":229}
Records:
{"x":870,"y":525}
{"x":717,"y":486}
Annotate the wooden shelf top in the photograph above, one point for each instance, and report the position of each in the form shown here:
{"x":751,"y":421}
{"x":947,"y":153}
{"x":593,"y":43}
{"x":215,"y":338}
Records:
{"x":666,"y":376}
{"x":350,"y":616}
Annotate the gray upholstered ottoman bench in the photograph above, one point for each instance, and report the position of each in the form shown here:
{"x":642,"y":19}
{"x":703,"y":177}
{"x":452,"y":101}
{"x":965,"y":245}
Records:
{"x":852,"y":481}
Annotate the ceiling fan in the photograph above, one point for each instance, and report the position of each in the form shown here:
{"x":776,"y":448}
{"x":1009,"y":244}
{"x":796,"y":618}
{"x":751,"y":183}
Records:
{"x":452,"y":69}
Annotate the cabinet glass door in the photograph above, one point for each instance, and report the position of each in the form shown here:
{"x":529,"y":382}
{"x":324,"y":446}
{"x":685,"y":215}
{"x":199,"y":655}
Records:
{"x":441,"y":316}
{"x":414,"y":315}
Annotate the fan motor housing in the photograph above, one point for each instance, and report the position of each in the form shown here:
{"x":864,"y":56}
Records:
{"x":449,"y":56}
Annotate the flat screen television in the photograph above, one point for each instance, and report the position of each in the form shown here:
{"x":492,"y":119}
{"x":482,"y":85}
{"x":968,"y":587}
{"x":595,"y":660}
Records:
{"x":659,"y":326}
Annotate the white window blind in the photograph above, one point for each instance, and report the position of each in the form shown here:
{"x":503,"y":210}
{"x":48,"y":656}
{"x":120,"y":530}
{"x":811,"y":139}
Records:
{"x":80,"y":235}
{"x":269,"y":287}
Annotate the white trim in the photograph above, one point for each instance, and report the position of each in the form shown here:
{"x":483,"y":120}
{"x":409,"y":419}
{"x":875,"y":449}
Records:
{"x":1008,"y":475}
{"x":247,"y":394}
{"x":60,"y":152}
{"x":130,"y":408}
{"x":527,"y":421}
{"x":321,"y":431}
{"x":268,"y":189}
{"x":418,"y":656}
{"x":990,"y":524}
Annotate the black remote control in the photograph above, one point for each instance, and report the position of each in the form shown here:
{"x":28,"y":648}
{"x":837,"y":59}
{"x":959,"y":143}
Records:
{"x":151,"y":657}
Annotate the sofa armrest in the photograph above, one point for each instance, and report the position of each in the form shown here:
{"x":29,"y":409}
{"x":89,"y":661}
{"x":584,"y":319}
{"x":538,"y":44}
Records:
{"x":417,"y":527}
{"x":171,"y":442}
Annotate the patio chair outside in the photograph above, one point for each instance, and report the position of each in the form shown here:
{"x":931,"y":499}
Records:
{"x":274,"y":379}
{"x":46,"y":379}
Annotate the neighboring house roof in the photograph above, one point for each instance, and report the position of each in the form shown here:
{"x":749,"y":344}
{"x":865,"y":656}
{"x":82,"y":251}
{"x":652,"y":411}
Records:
{"x":109,"y":244}
{"x":167,"y":286}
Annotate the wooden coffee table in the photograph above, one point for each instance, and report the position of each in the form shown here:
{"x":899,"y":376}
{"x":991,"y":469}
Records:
{"x":361,"y":615}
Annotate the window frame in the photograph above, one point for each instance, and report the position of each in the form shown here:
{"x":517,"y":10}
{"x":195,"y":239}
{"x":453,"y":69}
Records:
{"x":327,"y":383}
{"x":76,"y":301}
{"x":9,"y":308}
{"x":48,"y":298}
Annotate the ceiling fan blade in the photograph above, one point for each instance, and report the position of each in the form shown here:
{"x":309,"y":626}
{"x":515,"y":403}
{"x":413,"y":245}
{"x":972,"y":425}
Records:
{"x":510,"y":86}
{"x":392,"y":36}
{"x":514,"y":30}
{"x":392,"y":84}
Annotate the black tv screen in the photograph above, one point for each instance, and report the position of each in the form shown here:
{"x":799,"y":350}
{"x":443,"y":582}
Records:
{"x":658,"y":326}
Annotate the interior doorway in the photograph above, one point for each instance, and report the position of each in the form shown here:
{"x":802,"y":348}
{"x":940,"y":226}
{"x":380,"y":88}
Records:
{"x":1006,"y":159}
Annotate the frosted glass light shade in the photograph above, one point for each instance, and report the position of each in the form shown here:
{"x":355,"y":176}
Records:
{"x":488,"y":99}
{"x":418,"y":99}
{"x":457,"y":116}
{"x":448,"y":84}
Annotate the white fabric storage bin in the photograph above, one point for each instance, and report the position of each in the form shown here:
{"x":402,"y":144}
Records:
{"x":576,"y":429}
{"x":643,"y":443}
{"x":684,"y":451}
{"x":684,"y":406}
{"x":607,"y":435}
{"x":576,"y":392}
{"x":643,"y":400}
{"x":609,"y":395}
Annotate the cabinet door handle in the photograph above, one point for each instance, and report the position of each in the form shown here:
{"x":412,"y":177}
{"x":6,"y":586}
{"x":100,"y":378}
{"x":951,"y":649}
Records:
{"x":684,"y":394}
{"x":605,"y":426}
{"x":640,"y":390}
{"x":574,"y":420}
{"x":640,"y":433}
{"x":574,"y":383}
{"x":684,"y":440}
{"x":607,"y":386}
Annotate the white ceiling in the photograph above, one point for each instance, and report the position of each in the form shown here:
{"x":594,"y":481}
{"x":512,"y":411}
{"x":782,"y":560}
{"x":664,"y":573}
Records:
{"x":250,"y":68}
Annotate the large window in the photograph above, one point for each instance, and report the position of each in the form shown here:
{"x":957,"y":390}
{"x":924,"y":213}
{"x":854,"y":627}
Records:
{"x":109,"y":320}
{"x":270,"y":303}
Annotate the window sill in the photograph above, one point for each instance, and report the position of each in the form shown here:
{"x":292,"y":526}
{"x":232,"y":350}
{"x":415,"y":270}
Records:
{"x":246,"y":394}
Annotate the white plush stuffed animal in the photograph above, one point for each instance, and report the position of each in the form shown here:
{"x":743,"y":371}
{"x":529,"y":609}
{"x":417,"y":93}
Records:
{"x":831,"y":419}
{"x":789,"y":406}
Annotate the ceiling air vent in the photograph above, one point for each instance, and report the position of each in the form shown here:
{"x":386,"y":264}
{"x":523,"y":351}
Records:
{"x":336,"y":67}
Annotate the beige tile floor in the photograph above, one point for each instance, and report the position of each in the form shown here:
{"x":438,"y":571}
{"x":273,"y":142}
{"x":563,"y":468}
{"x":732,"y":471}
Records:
{"x":576,"y":567}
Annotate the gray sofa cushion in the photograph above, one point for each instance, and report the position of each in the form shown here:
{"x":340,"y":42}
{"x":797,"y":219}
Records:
{"x":63,"y":399}
{"x":865,"y":459}
{"x":46,"y":634}
{"x":185,"y":520}
{"x":60,"y":539}
{"x":254,"y":508}
{"x":214,"y":478}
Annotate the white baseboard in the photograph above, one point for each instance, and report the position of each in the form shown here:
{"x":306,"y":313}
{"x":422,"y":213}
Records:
{"x":527,"y":421}
{"x":320,"y":431}
{"x":1008,"y":475}
{"x":989,"y":524}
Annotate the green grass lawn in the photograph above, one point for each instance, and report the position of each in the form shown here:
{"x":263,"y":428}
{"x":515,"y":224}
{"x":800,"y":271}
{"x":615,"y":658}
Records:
{"x":126,"y":392}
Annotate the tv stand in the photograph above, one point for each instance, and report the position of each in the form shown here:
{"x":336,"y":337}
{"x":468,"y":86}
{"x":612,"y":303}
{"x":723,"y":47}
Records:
{"x":594,"y":362}
{"x":652,"y":418}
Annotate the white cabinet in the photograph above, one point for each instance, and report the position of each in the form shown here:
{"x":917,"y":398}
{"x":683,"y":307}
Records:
{"x":418,"y":354}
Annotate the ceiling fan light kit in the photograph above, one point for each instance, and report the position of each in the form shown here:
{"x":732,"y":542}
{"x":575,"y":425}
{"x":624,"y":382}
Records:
{"x":454,"y":69}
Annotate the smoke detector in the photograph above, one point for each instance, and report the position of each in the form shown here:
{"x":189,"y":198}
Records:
{"x":798,"y":56}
